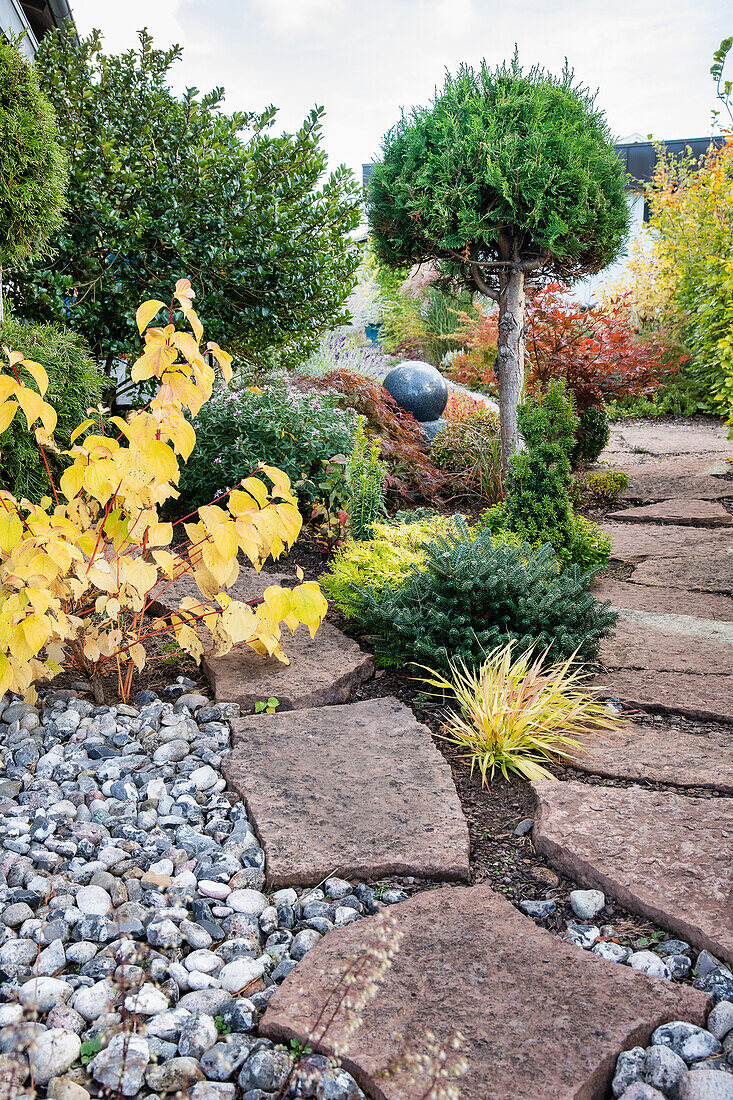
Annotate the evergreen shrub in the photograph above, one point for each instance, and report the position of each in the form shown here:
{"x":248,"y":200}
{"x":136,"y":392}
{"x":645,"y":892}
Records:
{"x":471,"y":594}
{"x":75,"y":385}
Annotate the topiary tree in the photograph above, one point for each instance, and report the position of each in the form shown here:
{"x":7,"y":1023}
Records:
{"x":508,"y":176}
{"x":161,"y":184}
{"x":32,"y":163}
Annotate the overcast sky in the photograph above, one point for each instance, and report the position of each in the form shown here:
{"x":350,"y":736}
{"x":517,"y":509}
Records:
{"x":364,"y":59}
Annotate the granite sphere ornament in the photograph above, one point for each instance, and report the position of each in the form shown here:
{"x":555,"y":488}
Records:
{"x":418,"y":388}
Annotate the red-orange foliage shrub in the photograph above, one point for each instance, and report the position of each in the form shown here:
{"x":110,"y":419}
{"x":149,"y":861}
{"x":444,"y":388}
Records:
{"x":402,"y":444}
{"x":460,"y":405}
{"x":596,"y":351}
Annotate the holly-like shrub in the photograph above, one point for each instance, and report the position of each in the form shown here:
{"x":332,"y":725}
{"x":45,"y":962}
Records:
{"x":538,"y":508}
{"x":591,"y":436}
{"x":472,"y":594}
{"x":276,"y":424}
{"x":74,"y":386}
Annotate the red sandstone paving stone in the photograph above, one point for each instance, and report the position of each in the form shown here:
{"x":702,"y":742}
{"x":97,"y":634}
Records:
{"x":662,"y":855}
{"x":709,"y":569}
{"x":323,"y":670}
{"x":686,"y":512}
{"x":670,"y":601}
{"x":664,"y":440}
{"x":663,"y":756}
{"x":359,"y":791}
{"x":635,"y":542}
{"x":713,"y":464}
{"x":650,"y":486}
{"x":706,"y":698}
{"x":541,"y":1019}
{"x":669,"y":643}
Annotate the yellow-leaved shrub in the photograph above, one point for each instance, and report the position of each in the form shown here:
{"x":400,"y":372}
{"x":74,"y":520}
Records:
{"x":79,"y":572}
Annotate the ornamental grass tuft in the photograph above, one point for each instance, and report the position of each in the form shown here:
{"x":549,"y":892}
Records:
{"x":516,"y":712}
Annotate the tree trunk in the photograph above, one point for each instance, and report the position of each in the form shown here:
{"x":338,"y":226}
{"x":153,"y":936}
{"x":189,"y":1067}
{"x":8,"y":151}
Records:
{"x":509,"y":367}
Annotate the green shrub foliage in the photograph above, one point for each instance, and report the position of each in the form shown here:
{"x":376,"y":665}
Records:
{"x":74,"y":386}
{"x":366,"y":476}
{"x":472,"y":594}
{"x":278,"y":425}
{"x":32,"y":162}
{"x":591,"y":437}
{"x":393,"y":552}
{"x":538,"y":507}
{"x":163,"y":186}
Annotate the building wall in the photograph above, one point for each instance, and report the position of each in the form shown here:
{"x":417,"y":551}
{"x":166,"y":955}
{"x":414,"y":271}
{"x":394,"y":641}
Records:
{"x":14,"y":22}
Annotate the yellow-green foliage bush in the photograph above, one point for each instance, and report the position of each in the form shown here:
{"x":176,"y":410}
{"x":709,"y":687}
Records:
{"x":386,"y":559}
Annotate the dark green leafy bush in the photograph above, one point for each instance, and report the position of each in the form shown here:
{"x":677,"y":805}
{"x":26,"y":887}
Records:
{"x":591,"y":436}
{"x":538,"y":508}
{"x":74,"y":385}
{"x":278,"y":425}
{"x":472,"y":594}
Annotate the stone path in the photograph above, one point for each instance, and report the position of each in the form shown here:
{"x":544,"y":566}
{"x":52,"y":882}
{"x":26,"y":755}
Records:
{"x":539,"y":1018}
{"x":701,"y":759}
{"x":355,"y":791}
{"x":660,"y":854}
{"x":673,"y":650}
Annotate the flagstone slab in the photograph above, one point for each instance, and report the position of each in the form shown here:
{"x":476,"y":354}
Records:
{"x":711,"y":464}
{"x":705,"y":698}
{"x":665,"y":856}
{"x":707,"y":569}
{"x":703,"y":759}
{"x":635,"y":542}
{"x":669,"y":643}
{"x":663,"y":439}
{"x":540,"y":1018}
{"x":662,"y":600}
{"x":323,"y":670}
{"x":684,"y":511}
{"x":650,"y":486}
{"x":358,"y":791}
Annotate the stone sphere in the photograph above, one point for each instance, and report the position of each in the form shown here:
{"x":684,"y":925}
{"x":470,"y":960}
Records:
{"x":418,"y":388}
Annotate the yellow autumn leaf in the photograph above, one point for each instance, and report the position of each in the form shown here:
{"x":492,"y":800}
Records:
{"x":160,"y":534}
{"x":309,"y":605}
{"x":239,"y":621}
{"x":7,"y":412}
{"x":31,"y":403}
{"x":146,"y":312}
{"x":11,"y":530}
{"x":38,"y":374}
{"x":224,"y":536}
{"x":8,"y":386}
{"x":161,"y":461}
{"x":137,"y":655}
{"x":81,"y":428}
{"x":253,"y":493}
{"x":140,"y":574}
{"x":6,"y":674}
{"x":278,"y":601}
{"x":71,"y":481}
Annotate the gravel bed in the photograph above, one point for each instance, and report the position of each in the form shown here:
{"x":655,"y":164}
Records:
{"x":683,"y":1061}
{"x":138,"y":948}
